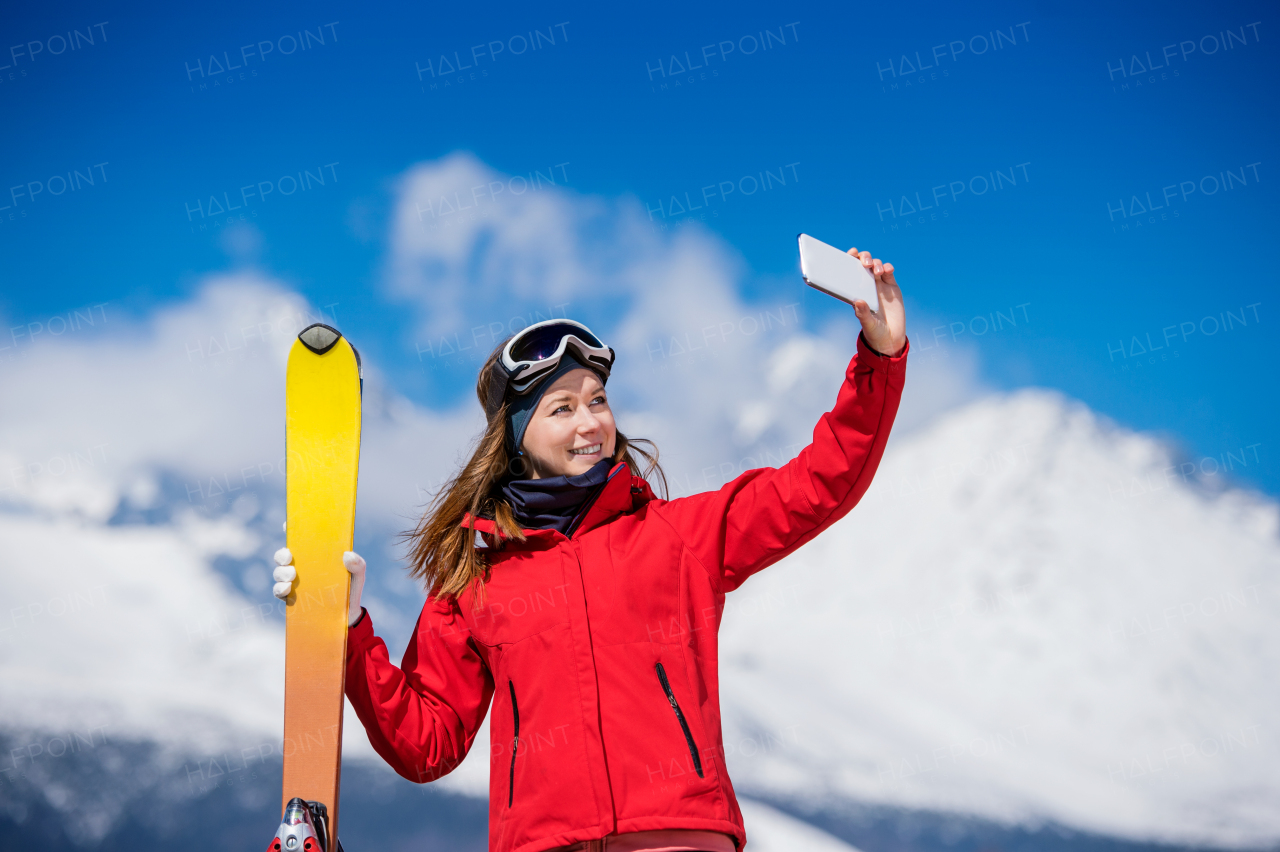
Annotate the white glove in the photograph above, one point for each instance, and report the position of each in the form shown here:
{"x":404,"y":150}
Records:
{"x":285,"y":574}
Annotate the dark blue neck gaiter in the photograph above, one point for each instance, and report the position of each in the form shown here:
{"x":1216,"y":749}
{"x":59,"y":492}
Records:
{"x":556,"y":502}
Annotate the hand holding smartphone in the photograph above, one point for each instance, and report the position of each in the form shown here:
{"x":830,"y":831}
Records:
{"x":845,"y":276}
{"x":836,"y":273}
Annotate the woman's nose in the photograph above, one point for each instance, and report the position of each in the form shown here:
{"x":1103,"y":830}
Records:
{"x":587,"y":422}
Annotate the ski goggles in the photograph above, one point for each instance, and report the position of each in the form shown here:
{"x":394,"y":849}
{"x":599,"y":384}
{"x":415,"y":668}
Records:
{"x":535,"y":352}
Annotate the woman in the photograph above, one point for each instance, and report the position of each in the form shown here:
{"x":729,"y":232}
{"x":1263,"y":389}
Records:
{"x":589,"y":618}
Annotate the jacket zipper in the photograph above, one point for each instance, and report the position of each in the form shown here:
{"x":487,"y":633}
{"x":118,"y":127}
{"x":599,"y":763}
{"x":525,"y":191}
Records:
{"x":515,"y":745}
{"x":684,"y":726}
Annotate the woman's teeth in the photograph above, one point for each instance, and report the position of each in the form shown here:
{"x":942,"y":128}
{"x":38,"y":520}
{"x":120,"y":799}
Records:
{"x":587,"y":451}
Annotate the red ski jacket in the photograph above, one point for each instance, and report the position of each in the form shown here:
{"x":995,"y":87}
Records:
{"x":598,"y":651}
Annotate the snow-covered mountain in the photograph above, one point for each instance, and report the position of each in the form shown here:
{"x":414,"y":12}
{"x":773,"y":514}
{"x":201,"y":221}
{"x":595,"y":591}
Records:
{"x":1033,"y":617}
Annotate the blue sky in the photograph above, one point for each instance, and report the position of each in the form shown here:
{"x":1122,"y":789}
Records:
{"x":1056,"y":203}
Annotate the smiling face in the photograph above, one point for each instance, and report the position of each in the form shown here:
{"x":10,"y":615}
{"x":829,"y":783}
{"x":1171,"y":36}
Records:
{"x":571,"y":429}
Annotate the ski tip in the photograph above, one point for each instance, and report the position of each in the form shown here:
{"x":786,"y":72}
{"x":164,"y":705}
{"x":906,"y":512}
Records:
{"x":319,"y":338}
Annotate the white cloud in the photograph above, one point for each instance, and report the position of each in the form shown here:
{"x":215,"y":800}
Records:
{"x":190,"y":388}
{"x":691,"y":350}
{"x":195,"y":390}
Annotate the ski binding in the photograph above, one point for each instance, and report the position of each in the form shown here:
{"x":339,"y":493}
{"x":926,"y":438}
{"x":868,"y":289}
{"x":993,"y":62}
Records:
{"x":305,"y":828}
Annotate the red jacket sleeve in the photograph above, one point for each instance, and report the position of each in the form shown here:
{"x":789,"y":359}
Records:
{"x":764,"y":514}
{"x":423,"y":715}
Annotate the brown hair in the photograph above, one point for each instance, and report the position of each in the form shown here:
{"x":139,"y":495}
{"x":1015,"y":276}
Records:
{"x":442,"y":551}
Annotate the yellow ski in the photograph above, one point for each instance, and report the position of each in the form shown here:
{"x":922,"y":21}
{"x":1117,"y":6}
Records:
{"x":322,"y":441}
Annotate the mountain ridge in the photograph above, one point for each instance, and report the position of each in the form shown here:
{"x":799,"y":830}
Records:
{"x":998,"y":631}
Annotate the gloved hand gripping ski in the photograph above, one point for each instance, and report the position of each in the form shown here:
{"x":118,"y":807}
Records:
{"x":284,"y":575}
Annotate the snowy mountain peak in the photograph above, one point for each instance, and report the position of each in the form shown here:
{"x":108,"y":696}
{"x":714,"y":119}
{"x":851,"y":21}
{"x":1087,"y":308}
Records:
{"x":1007,"y":625}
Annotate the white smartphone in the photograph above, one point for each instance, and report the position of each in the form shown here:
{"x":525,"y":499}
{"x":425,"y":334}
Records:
{"x":836,"y":273}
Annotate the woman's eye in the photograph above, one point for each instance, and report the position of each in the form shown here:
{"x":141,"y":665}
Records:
{"x":561,"y":408}
{"x":598,"y":399}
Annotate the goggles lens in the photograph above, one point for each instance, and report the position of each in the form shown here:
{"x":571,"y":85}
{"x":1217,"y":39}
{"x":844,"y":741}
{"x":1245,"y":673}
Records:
{"x":541,"y":343}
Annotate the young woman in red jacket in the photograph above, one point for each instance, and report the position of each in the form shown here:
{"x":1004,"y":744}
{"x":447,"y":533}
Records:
{"x":589,"y":620}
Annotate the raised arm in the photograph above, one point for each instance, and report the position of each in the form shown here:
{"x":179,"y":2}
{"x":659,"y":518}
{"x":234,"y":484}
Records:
{"x":422,"y":716}
{"x":764,"y":514}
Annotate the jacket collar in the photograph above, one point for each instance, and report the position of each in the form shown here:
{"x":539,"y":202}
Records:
{"x":621,"y":493}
